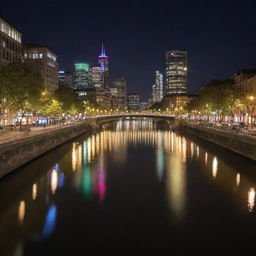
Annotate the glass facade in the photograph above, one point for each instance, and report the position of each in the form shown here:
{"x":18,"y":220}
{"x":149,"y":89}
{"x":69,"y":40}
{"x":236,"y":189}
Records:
{"x":82,"y":75}
{"x":159,"y":89}
{"x":176,"y":72}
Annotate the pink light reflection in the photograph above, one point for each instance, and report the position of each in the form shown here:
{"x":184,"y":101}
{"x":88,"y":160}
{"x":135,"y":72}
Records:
{"x":101,"y":186}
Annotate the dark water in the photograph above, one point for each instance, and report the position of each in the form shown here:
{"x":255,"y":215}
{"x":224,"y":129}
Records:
{"x":131,"y":190}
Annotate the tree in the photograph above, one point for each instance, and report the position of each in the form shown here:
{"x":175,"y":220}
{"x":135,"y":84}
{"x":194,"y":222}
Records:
{"x":219,"y":97}
{"x":20,"y":87}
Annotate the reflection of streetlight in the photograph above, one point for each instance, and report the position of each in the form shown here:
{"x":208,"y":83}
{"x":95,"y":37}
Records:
{"x":251,"y":199}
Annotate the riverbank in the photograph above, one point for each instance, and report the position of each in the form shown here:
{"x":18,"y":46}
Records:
{"x":18,"y":151}
{"x":240,"y":143}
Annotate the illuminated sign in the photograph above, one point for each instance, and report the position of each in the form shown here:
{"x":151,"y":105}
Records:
{"x":82,"y":66}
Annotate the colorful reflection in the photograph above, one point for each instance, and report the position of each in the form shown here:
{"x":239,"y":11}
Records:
{"x":101,"y":187}
{"x":50,"y":221}
{"x":172,"y":152}
{"x":87,"y":182}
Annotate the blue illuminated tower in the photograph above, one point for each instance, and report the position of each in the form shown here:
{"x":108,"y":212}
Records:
{"x":103,"y":61}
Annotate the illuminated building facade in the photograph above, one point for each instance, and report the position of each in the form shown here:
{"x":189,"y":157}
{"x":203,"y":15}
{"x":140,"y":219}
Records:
{"x":82,"y":75}
{"x":159,"y":87}
{"x":177,"y":102}
{"x":119,"y":94}
{"x":103,"y":61}
{"x":10,"y":43}
{"x":94,"y":96}
{"x":66,"y":79}
{"x":97,"y":81}
{"x":176,"y":72}
{"x":133,"y":101}
{"x":10,"y":51}
{"x":42,"y":60}
{"x":153,"y":96}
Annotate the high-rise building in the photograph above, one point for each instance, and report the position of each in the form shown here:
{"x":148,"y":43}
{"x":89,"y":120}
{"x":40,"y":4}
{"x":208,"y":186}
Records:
{"x":159,"y":88}
{"x":10,"y":43}
{"x":97,"y":81}
{"x":118,"y":90}
{"x":103,"y":61}
{"x":143,"y":105}
{"x":66,"y":79}
{"x":176,"y":72}
{"x":41,"y":59}
{"x":82,"y":75}
{"x":153,"y":95}
{"x":133,"y":101}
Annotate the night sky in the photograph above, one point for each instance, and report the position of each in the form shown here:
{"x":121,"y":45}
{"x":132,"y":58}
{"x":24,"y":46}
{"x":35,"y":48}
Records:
{"x":219,"y":36}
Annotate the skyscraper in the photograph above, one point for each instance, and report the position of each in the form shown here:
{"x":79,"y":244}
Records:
{"x":176,"y":72}
{"x":159,"y":89}
{"x":153,"y":95}
{"x":118,"y":90}
{"x":103,"y":61}
{"x":133,"y":101}
{"x":97,"y":78}
{"x":65,"y":79}
{"x":82,"y":75}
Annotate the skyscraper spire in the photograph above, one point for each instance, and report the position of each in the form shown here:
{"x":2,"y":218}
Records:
{"x":102,"y":50}
{"x":103,"y":61}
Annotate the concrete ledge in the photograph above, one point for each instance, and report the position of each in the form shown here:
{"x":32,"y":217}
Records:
{"x":16,"y":153}
{"x":242,"y":144}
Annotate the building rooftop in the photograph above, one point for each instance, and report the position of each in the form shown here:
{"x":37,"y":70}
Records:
{"x":35,"y":45}
{"x":10,"y":24}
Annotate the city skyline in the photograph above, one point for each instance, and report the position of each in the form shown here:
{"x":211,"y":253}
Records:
{"x":137,"y":41}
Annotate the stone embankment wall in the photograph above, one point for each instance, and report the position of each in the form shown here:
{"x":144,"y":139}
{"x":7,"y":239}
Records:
{"x":242,"y":144}
{"x":18,"y":152}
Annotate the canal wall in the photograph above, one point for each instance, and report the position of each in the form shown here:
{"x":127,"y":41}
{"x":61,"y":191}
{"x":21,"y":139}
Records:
{"x":242,"y":144}
{"x":18,"y":152}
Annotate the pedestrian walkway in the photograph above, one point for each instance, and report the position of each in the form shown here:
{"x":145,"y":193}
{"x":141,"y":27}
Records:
{"x":10,"y":136}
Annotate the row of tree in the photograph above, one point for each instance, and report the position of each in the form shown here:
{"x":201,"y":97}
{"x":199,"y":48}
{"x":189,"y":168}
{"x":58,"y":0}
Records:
{"x":23,"y":90}
{"x":222,"y":98}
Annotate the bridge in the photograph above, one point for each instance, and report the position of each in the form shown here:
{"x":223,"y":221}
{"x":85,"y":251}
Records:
{"x":103,"y":119}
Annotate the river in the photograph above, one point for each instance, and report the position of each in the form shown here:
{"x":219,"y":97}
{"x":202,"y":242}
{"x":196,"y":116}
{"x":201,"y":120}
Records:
{"x":130,"y":189}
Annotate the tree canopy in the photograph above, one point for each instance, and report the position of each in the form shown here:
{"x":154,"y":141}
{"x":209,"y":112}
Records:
{"x":20,"y":87}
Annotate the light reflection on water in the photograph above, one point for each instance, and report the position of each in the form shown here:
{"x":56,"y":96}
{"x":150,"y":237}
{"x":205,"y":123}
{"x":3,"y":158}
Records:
{"x":251,"y":199}
{"x":85,"y":169}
